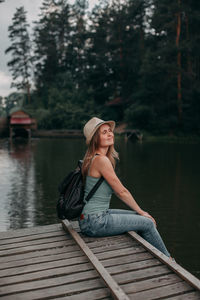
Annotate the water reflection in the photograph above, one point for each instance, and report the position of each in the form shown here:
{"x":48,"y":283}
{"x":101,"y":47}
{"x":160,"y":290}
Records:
{"x":30,"y":173}
{"x":18,"y":200}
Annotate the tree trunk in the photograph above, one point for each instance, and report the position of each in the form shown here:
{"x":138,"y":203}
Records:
{"x":120,"y":53}
{"x":28,"y":92}
{"x":179,"y":92}
{"x":189,"y":65}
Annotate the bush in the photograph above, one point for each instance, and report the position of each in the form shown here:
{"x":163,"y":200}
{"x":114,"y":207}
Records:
{"x":64,"y":116}
{"x":140,"y":116}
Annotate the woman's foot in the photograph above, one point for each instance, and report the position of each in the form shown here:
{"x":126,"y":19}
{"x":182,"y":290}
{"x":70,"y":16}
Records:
{"x":172,"y":259}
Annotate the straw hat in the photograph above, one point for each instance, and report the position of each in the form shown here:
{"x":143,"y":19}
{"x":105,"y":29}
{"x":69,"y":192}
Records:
{"x":92,"y":125}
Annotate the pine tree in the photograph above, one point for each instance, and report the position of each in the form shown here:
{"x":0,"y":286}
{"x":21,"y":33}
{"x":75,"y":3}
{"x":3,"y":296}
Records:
{"x":176,"y":25}
{"x":166,"y":99}
{"x":79,"y":42}
{"x":191,"y":65}
{"x":117,"y":34}
{"x":52,"y":41}
{"x":20,"y":49}
{"x":1,"y":106}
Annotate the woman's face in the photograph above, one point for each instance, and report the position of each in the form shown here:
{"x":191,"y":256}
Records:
{"x":106,"y":136}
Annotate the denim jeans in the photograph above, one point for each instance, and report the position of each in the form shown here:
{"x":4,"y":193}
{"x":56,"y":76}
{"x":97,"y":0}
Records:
{"x":118,"y":221}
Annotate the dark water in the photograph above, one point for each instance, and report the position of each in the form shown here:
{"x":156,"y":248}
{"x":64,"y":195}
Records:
{"x":163,"y":177}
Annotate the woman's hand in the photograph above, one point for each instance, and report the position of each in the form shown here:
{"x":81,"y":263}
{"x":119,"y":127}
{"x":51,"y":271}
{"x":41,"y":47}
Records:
{"x":146,"y":214}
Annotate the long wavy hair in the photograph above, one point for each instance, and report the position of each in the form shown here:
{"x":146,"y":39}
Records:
{"x":91,"y":151}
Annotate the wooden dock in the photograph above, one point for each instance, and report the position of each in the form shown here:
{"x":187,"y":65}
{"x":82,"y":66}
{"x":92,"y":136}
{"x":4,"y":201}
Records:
{"x":57,"y":262}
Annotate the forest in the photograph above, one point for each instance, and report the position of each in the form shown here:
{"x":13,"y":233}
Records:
{"x":137,"y":62}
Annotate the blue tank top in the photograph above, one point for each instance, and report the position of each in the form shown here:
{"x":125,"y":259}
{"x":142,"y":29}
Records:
{"x":100,"y":201}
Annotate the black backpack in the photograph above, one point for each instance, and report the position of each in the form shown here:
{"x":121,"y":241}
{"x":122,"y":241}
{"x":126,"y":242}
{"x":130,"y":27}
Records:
{"x":71,"y":194}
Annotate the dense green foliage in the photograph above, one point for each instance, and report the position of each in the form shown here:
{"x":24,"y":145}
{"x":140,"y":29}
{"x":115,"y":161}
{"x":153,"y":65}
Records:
{"x":133,"y":61}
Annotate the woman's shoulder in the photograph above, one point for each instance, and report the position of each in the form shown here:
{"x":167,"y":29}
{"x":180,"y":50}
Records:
{"x":102,"y":159}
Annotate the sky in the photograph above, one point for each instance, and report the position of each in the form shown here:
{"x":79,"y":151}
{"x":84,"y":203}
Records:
{"x":7,"y":10}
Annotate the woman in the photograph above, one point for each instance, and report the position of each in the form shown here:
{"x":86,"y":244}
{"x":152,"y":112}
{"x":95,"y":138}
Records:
{"x":96,"y":218}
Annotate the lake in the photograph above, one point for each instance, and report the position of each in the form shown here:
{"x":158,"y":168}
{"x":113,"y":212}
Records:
{"x":164,"y":178}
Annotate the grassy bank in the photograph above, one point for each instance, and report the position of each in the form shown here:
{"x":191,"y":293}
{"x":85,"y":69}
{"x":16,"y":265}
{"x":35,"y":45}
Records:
{"x":180,"y":138}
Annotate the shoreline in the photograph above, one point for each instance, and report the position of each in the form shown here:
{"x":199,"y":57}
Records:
{"x":147,"y":137}
{"x":57,"y":133}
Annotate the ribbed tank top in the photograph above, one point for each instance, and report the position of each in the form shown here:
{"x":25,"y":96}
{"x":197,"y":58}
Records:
{"x":100,"y":201}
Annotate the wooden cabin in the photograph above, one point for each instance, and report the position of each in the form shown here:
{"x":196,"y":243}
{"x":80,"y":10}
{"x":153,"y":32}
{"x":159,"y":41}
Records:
{"x":21,"y":124}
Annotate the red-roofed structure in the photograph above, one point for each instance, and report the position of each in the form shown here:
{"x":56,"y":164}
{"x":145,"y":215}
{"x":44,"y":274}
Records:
{"x":21,"y":124}
{"x":23,"y":121}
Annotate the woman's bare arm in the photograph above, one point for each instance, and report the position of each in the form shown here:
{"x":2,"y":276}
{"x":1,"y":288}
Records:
{"x":103,"y":166}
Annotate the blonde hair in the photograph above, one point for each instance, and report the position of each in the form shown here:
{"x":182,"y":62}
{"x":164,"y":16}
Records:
{"x":91,"y":151}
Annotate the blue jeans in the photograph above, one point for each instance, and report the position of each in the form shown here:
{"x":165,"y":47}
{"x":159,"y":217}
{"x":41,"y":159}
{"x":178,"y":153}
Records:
{"x":118,"y":221}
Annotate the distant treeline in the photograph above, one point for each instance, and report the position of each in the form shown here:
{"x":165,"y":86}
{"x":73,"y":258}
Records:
{"x":133,"y":61}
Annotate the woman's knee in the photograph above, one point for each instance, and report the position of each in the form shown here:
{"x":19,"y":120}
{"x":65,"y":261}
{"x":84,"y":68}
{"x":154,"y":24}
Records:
{"x":149,"y":223}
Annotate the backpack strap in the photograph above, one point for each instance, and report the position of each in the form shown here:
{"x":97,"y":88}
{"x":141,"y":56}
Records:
{"x":97,"y":184}
{"x":94,"y":189}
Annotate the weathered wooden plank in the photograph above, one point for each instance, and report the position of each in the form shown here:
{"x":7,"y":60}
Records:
{"x":132,"y":266}
{"x":109,"y":242}
{"x":82,"y":265}
{"x":41,"y":259}
{"x":138,"y":257}
{"x":195,"y":282}
{"x":72,"y":263}
{"x":164,"y":291}
{"x":31,"y":285}
{"x":151,"y":283}
{"x":116,"y":291}
{"x":96,"y":250}
{"x":66,"y":269}
{"x":107,"y":239}
{"x":187,"y":296}
{"x":27,"y":249}
{"x":35,"y":242}
{"x":32,"y":237}
{"x":103,"y":293}
{"x":51,"y":282}
{"x":75,"y":225}
{"x":96,"y":242}
{"x":29,"y":231}
{"x":58,"y":291}
{"x":114,"y":246}
{"x":75,"y":250}
{"x":141,"y":275}
{"x":118,"y":253}
{"x":111,"y":247}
